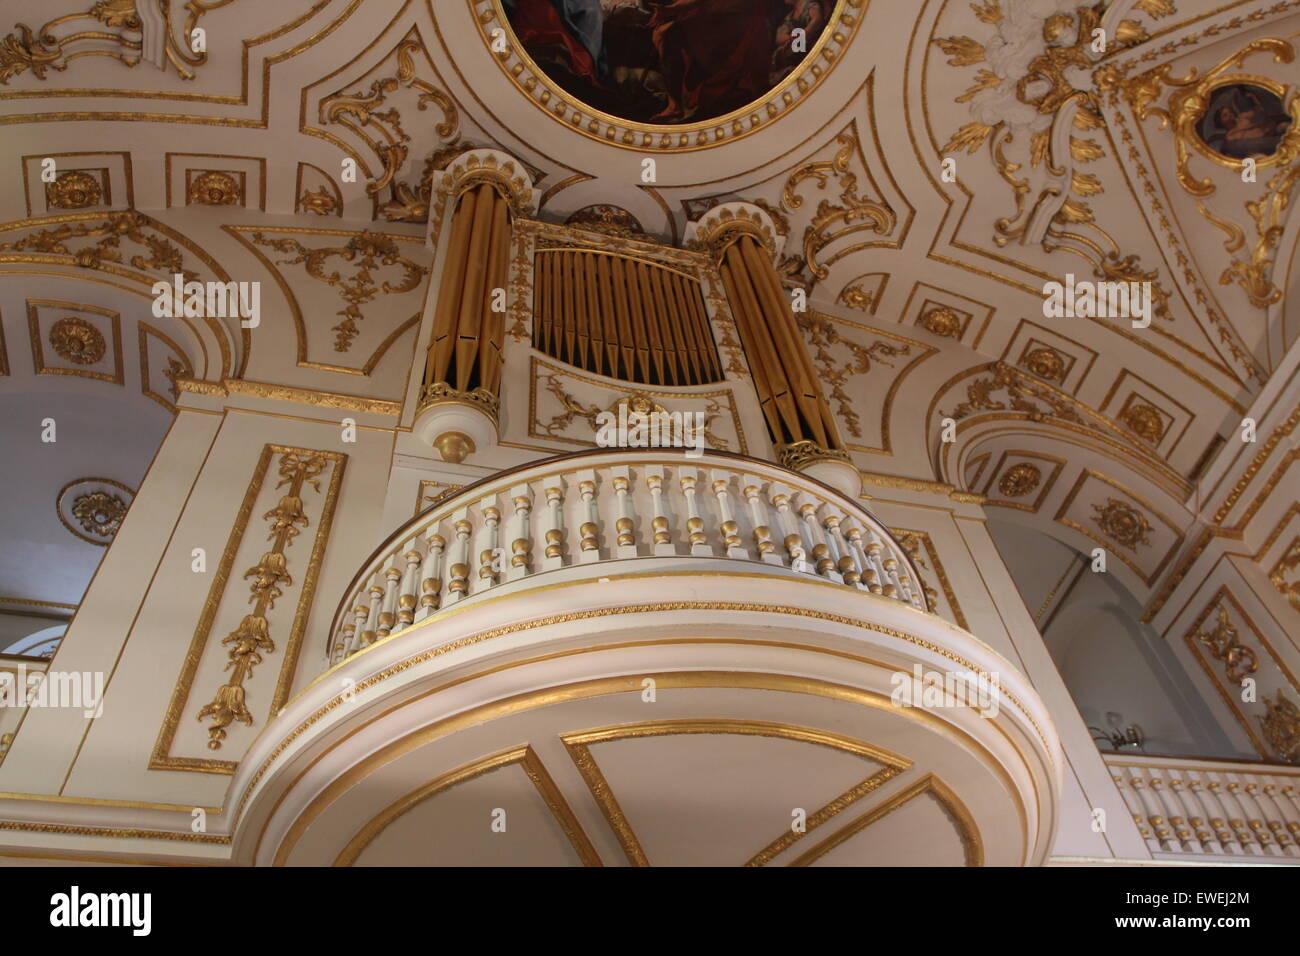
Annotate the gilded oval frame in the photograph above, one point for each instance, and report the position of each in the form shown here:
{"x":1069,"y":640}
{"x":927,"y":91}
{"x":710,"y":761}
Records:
{"x":1190,"y":107}
{"x":545,"y":94}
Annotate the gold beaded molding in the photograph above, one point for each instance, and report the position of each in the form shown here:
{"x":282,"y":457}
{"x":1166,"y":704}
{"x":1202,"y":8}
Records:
{"x":547,"y":96}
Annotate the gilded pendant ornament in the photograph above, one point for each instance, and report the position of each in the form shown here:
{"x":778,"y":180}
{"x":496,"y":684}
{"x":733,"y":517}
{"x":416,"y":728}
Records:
{"x":252,"y":638}
{"x":76,"y":340}
{"x":1019,"y":480}
{"x":1123,"y":524}
{"x":75,"y":189}
{"x":367,"y":253}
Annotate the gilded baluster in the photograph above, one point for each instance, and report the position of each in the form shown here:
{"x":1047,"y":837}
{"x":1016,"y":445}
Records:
{"x":760,"y":516}
{"x":1174,"y":813}
{"x":589,"y":529}
{"x":699,"y":541}
{"x":458,"y":586}
{"x":521,"y":547}
{"x":406,"y":598}
{"x":1159,"y":836}
{"x":821,"y":552}
{"x":555,"y":527}
{"x":844,"y":558}
{"x":729,"y":528}
{"x":660,"y":524}
{"x":371,"y":632}
{"x":1222,"y":813}
{"x":360,"y":613}
{"x":392,"y":584}
{"x":1198,"y":812}
{"x":489,"y":556}
{"x":790,"y":536}
{"x":431,"y":576}
{"x":624,"y":525}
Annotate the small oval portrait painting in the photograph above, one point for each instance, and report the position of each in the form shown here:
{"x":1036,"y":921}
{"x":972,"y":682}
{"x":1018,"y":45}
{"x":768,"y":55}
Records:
{"x":668,"y":62}
{"x":1244,"y":121}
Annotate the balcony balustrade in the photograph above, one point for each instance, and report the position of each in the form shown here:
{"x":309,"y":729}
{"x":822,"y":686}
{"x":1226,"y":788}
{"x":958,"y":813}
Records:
{"x":1187,"y":807}
{"x":591,"y":511}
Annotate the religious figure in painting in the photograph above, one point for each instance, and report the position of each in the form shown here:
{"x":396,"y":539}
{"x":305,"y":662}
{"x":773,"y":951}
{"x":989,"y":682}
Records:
{"x":668,"y":61}
{"x":1244,"y":121}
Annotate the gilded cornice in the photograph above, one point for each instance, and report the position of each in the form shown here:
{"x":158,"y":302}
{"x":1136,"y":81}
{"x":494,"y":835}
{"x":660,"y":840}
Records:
{"x":287,"y":393}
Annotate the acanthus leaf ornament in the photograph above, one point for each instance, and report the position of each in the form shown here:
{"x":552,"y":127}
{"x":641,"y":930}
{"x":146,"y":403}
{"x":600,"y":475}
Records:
{"x":130,"y":38}
{"x":852,"y":213}
{"x":378,"y":123}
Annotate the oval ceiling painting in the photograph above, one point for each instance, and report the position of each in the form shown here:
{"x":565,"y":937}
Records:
{"x":668,"y":62}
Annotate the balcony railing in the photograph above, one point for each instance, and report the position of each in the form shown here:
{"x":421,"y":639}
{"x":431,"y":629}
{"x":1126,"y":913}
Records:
{"x":603,"y":507}
{"x":1211,"y":808}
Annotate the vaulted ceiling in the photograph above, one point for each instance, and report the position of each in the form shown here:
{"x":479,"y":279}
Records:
{"x":933,"y":165}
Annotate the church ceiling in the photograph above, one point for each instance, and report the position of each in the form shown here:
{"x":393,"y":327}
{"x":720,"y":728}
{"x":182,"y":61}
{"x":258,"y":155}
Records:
{"x":930,"y":167}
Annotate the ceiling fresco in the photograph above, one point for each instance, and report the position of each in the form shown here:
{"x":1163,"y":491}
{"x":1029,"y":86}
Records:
{"x":668,"y":62}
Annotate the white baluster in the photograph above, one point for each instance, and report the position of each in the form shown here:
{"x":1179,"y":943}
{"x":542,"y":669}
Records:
{"x":431,"y":577}
{"x":662,"y":521}
{"x":759,"y":514}
{"x":408,"y":594}
{"x":458,"y":585}
{"x":699,"y":541}
{"x":590,"y":526}
{"x":521,"y":545}
{"x":729,"y":528}
{"x":624,"y":524}
{"x":554,"y":526}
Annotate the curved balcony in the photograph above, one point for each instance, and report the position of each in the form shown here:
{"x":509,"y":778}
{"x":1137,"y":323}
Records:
{"x":596,"y":510}
{"x":638,"y":658}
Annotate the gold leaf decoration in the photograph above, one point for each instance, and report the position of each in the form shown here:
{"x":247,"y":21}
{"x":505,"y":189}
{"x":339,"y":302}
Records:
{"x":962,"y":51}
{"x":252,"y":638}
{"x":367,"y":253}
{"x":970,"y":138}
